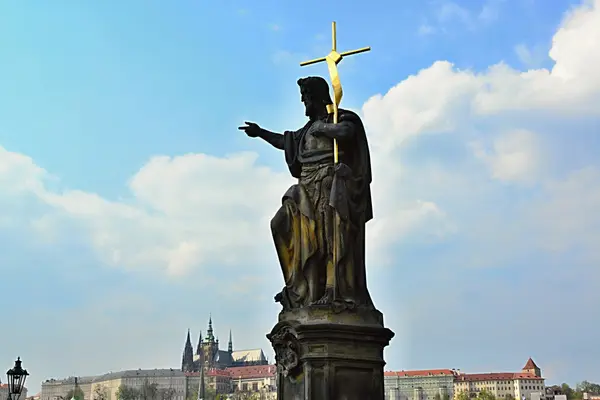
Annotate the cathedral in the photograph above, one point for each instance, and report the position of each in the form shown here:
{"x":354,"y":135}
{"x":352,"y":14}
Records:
{"x":209,"y":356}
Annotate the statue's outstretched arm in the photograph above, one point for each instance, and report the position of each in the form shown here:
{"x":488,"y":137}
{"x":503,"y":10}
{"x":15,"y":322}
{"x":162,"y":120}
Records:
{"x":274,"y":139}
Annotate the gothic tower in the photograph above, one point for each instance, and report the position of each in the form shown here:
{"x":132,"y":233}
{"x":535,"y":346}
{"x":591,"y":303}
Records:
{"x":210,"y":336}
{"x":199,"y":346}
{"x":187,"y":361}
{"x":210,"y":346}
{"x":230,"y":344}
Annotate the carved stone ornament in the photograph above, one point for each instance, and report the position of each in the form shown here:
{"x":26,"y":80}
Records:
{"x":286,"y":349}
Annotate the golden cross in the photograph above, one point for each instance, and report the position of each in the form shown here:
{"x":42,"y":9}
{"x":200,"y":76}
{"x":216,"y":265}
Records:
{"x":332,"y":60}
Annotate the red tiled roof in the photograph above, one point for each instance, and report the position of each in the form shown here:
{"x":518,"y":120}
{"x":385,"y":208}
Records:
{"x":210,"y":372}
{"x":5,"y":385}
{"x":530,"y":364}
{"x":253,"y":371}
{"x":217,"y":372}
{"x":495,"y":376}
{"x":424,"y":372}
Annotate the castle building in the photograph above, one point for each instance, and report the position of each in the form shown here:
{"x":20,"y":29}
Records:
{"x":448,"y":384}
{"x":503,"y":385}
{"x":208,"y":355}
{"x":432,"y":384}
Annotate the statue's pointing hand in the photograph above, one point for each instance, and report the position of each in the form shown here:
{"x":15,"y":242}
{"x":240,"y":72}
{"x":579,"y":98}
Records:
{"x":251,"y":129}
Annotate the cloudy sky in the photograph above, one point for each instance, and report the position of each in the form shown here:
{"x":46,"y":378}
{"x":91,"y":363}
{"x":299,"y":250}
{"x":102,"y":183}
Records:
{"x":131,"y":207}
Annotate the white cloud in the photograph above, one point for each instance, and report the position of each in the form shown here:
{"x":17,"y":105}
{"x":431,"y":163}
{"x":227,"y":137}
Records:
{"x":18,"y":172}
{"x":515,"y":156}
{"x":531,"y":57}
{"x":182,"y":209}
{"x":184,"y":212}
{"x":568,"y":215}
{"x":449,"y":12}
{"x":490,"y":11}
{"x":493,"y":114}
{"x":449,"y":148}
{"x":425,"y":30}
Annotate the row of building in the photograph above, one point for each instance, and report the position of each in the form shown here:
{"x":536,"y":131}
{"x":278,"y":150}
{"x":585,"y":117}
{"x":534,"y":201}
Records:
{"x":225,"y":371}
{"x":440,"y":384}
{"x":180,"y":385}
{"x":229,"y":371}
{"x":437,"y":384}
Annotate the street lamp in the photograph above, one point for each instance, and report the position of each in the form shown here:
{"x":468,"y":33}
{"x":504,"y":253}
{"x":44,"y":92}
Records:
{"x":16,"y":380}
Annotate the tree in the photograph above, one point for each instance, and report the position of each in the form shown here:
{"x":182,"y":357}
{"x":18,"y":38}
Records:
{"x":166,"y":394}
{"x":75,"y":393}
{"x":437,"y":397}
{"x":485,"y":395}
{"x":588,"y":387}
{"x":127,"y":393}
{"x":148,"y":391}
{"x":243,"y":395}
{"x":100,"y":393}
{"x":192,"y":394}
{"x":567,"y":391}
{"x":209,"y":394}
{"x":463,"y":396}
{"x":572,"y":394}
{"x":446,"y":396}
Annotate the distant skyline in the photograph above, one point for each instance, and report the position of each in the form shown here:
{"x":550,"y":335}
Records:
{"x":131,"y":207}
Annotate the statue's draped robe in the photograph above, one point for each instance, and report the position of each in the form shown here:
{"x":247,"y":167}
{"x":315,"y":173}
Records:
{"x":326,"y":195}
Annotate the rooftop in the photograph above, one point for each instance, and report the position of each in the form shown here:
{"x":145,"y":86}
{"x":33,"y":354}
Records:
{"x":530,"y":364}
{"x":253,"y":371}
{"x":80,"y":379}
{"x":423,"y":372}
{"x":211,"y":372}
{"x":496,"y":376}
{"x":162,"y":372}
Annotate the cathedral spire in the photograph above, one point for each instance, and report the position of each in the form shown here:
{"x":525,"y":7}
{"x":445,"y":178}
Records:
{"x":210,"y":336}
{"x":201,"y":387}
{"x":199,"y":346}
{"x":187,"y":360}
{"x":230,"y":344}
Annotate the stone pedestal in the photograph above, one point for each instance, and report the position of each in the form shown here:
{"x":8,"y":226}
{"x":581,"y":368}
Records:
{"x":322,"y":354}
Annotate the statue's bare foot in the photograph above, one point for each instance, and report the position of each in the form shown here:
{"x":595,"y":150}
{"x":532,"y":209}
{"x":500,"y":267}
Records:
{"x":326,"y":299}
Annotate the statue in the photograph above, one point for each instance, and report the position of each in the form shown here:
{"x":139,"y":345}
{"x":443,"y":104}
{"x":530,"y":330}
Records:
{"x":329,"y":338}
{"x":319,"y":231}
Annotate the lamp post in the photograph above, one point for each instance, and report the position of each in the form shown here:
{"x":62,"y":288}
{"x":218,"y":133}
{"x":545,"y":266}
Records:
{"x":16,"y":380}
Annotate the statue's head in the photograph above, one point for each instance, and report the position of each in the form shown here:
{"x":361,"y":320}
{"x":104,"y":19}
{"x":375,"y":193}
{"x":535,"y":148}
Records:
{"x":315,"y":95}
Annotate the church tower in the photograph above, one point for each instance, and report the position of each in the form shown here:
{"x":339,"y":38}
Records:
{"x":230,"y":344}
{"x":187,"y":361}
{"x":210,"y":346}
{"x":199,"y":346}
{"x":531,"y":368}
{"x":210,"y":336}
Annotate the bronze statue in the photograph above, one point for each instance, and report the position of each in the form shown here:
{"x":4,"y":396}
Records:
{"x":319,"y":231}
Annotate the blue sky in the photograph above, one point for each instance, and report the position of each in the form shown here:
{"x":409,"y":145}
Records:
{"x":122,"y":174}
